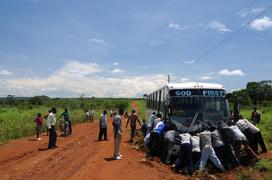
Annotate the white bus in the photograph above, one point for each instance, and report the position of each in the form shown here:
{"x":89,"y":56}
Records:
{"x":192,"y":107}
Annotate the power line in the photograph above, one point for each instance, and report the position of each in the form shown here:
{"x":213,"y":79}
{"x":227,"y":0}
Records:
{"x":231,"y":35}
{"x":192,"y":56}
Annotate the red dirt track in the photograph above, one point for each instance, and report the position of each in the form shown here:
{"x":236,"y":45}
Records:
{"x":79,"y":156}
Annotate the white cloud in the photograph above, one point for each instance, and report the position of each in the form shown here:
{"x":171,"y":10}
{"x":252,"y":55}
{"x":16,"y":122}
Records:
{"x":185,"y":27}
{"x":226,"y":72}
{"x":205,"y":78}
{"x":97,"y":41}
{"x":116,"y":63}
{"x":190,"y":62}
{"x":246,"y":12}
{"x":261,"y":24}
{"x":117,"y":70}
{"x":217,"y":25}
{"x":5,"y":73}
{"x":175,"y":26}
{"x":77,"y":69}
{"x":184,"y":79}
{"x":76,"y":77}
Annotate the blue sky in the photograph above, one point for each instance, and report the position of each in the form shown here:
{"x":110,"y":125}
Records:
{"x":125,"y":48}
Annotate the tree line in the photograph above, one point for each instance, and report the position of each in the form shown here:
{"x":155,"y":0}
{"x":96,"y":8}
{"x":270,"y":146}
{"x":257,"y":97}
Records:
{"x":255,"y":93}
{"x":70,"y":103}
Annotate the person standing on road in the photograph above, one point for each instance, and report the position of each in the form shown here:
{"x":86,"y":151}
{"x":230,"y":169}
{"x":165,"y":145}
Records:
{"x":117,"y":131}
{"x":52,"y":129}
{"x":39,"y":123}
{"x":132,"y":118}
{"x":66,"y":117}
{"x":91,"y":115}
{"x":103,"y":126}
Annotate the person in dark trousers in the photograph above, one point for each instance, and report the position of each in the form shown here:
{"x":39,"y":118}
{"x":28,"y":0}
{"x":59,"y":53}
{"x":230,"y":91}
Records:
{"x":103,"y":126}
{"x":132,"y":118}
{"x":185,"y":157}
{"x":196,"y":152}
{"x":233,"y":136}
{"x":39,"y":123}
{"x":255,"y":116}
{"x":252,"y":133}
{"x":144,"y":128}
{"x":153,"y":146}
{"x":66,"y":117}
{"x":224,"y":151}
{"x":52,"y":129}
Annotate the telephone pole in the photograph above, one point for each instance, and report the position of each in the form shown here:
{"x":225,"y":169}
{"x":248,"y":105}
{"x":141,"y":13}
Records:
{"x":168,"y":78}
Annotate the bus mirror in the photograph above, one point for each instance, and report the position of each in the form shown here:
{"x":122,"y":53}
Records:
{"x":169,"y":111}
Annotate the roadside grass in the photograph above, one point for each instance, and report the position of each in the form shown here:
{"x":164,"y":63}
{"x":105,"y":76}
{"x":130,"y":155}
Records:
{"x":265,"y":165}
{"x":141,"y":104}
{"x":249,"y":174}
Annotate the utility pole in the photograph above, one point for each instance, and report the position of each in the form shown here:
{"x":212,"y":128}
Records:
{"x":168,"y":78}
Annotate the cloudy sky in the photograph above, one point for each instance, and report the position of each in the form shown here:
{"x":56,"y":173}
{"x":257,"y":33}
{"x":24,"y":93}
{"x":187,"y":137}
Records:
{"x":125,"y":48}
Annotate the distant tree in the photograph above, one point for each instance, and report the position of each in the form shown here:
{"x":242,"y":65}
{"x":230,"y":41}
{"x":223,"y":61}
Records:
{"x":10,"y":99}
{"x":252,"y":89}
{"x":36,"y":100}
{"x":243,"y":97}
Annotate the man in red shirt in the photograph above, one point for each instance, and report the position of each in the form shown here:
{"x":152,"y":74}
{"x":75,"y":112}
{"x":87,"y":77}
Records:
{"x":39,"y":123}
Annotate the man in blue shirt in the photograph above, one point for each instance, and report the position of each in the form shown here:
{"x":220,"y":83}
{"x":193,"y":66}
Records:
{"x":66,"y":117}
{"x":155,"y":139}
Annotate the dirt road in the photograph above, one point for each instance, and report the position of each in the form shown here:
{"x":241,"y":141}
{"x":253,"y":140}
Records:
{"x":79,"y":156}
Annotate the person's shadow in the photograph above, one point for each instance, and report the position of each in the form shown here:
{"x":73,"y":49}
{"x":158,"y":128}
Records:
{"x":109,"y":159}
{"x":42,"y":149}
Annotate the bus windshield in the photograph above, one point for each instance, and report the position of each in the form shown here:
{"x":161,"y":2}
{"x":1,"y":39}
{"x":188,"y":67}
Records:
{"x":199,"y":109}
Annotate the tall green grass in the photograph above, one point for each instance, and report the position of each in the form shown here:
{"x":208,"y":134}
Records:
{"x":142,"y":109}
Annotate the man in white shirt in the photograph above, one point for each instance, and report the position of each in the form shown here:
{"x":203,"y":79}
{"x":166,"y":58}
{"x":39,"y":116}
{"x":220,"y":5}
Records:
{"x":52,"y":129}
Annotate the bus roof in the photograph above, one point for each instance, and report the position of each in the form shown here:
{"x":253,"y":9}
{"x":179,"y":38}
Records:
{"x":194,"y":85}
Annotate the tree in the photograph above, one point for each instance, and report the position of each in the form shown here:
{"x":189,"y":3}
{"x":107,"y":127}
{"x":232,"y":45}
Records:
{"x":36,"y":100}
{"x":10,"y":99}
